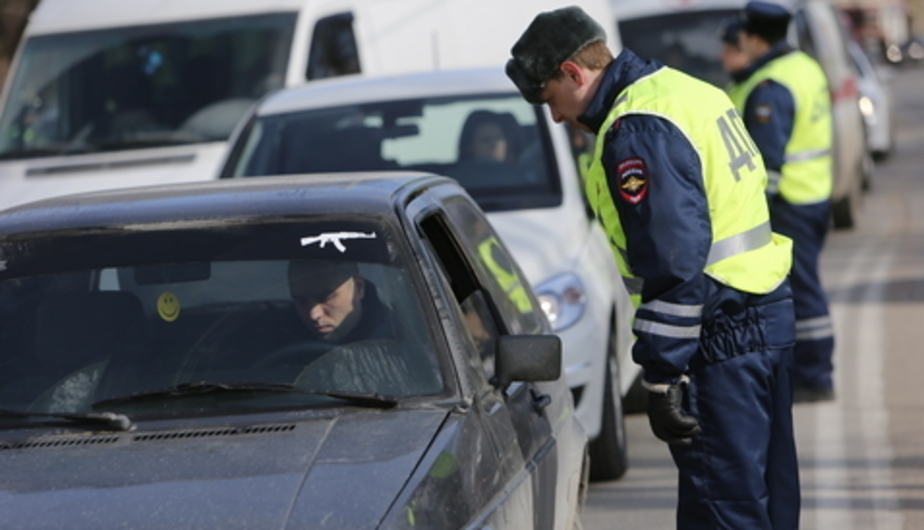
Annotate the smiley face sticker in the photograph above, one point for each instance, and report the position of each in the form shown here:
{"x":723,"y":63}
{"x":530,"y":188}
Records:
{"x":168,"y":306}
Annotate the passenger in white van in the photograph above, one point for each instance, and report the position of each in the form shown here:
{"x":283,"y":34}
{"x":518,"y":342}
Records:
{"x":681,"y":198}
{"x":784,"y":100}
{"x":488,"y":135}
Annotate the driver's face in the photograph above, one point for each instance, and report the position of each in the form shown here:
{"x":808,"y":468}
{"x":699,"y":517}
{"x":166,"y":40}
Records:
{"x":488,"y":143}
{"x":329,"y":310}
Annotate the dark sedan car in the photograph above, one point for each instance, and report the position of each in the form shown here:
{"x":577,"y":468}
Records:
{"x":350,"y":351}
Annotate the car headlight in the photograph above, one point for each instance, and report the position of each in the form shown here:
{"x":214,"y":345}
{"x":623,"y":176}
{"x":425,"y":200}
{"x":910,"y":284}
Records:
{"x":866,"y":106}
{"x":563,"y":299}
{"x":894,"y":54}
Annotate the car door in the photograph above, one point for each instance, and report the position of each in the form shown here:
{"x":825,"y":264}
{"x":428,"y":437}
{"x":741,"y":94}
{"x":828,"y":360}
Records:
{"x":494,"y":300}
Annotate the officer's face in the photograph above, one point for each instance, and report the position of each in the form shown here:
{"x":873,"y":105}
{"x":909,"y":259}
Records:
{"x":751,"y":45}
{"x":733,"y":58}
{"x":567,"y":96}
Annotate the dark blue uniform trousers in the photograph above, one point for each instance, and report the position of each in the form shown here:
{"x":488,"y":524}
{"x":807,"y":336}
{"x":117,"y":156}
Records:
{"x":741,"y":471}
{"x":807,"y":226}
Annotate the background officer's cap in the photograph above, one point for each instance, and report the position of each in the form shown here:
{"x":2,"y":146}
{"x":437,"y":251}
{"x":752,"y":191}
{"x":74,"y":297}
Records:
{"x":728,"y":30}
{"x":765,"y":18}
{"x":551,"y":39}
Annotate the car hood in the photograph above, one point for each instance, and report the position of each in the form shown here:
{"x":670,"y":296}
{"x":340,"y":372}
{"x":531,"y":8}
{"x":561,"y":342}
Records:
{"x":340,"y":471}
{"x":544,"y":242}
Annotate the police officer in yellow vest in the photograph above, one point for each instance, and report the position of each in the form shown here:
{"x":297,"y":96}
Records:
{"x":784,"y":100}
{"x":679,"y":188}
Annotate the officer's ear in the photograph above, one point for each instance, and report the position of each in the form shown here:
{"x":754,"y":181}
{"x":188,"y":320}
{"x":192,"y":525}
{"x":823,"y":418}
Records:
{"x":574,"y":72}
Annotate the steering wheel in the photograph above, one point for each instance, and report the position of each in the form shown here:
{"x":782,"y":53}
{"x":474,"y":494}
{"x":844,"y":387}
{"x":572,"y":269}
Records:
{"x":302,"y":353}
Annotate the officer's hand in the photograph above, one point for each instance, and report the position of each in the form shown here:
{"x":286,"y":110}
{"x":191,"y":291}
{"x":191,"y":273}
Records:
{"x":667,"y":421}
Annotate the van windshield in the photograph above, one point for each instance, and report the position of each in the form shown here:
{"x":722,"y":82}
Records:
{"x":141,"y":86}
{"x":496,"y":146}
{"x":688,"y":41}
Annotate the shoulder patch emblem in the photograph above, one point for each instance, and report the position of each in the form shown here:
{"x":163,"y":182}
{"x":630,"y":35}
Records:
{"x":633,"y":180}
{"x":763,"y":113}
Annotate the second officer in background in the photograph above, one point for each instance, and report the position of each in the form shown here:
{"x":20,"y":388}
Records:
{"x":784,"y":100}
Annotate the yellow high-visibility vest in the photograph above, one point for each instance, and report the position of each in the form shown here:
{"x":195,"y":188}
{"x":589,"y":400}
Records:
{"x":745,"y":253}
{"x":808,"y":171}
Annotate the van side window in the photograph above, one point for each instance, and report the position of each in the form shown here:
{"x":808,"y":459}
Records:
{"x":333,"y":48}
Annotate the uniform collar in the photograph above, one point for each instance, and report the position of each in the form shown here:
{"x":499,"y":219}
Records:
{"x":625,"y":69}
{"x":776,"y":51}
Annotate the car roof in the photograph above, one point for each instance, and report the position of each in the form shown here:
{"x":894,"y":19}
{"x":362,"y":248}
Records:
{"x":52,"y":16}
{"x":629,"y":9}
{"x":222,"y":202}
{"x":357,"y":89}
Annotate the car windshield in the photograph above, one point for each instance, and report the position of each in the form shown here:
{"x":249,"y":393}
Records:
{"x":226,"y":317}
{"x":688,"y":41}
{"x":143,"y":85}
{"x":495,"y":146}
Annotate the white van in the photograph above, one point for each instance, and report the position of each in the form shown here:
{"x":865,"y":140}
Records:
{"x":685,"y":35}
{"x":117,"y":93}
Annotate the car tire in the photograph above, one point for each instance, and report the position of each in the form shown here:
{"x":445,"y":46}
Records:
{"x":869,"y":169}
{"x":842,"y":214}
{"x":583,"y":489}
{"x":608,"y":455}
{"x":635,"y":401}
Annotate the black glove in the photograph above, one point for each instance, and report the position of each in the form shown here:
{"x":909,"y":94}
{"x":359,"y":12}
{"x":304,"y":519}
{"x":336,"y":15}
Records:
{"x":668,"y":422}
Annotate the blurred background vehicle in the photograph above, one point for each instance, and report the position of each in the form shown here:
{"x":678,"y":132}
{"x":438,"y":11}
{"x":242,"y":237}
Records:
{"x":875,"y":103}
{"x":523,"y":169}
{"x":909,"y":52}
{"x":684,"y":35}
{"x":112,"y":93}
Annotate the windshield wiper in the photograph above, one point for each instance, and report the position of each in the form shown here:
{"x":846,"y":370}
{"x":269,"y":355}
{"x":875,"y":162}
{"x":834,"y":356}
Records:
{"x":366,"y":399}
{"x":110,"y":419}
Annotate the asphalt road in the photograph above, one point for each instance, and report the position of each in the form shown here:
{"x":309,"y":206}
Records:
{"x":861,"y":456}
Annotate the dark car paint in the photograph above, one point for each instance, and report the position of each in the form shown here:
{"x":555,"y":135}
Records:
{"x":337,"y":471}
{"x":492,"y":462}
{"x":517,"y":426}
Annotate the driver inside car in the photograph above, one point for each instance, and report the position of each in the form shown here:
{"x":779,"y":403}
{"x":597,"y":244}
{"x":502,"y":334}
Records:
{"x":336,"y":303}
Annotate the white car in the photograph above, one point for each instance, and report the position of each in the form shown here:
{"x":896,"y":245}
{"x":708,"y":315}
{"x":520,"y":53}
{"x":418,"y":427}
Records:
{"x":685,"y":35}
{"x":529,"y":184}
{"x":875,"y":103}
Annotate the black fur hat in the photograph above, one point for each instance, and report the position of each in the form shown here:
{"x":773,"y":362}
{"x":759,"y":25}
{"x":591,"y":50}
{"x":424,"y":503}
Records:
{"x":728,"y":30}
{"x":551,"y":39}
{"x":767,"y":20}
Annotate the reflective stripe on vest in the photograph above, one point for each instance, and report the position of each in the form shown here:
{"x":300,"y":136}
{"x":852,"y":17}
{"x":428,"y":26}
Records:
{"x":803,"y":156}
{"x":752,"y":239}
{"x":808,"y":171}
{"x":745,"y":254}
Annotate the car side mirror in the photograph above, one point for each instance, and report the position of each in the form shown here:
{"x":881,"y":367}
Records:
{"x":527,"y":358}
